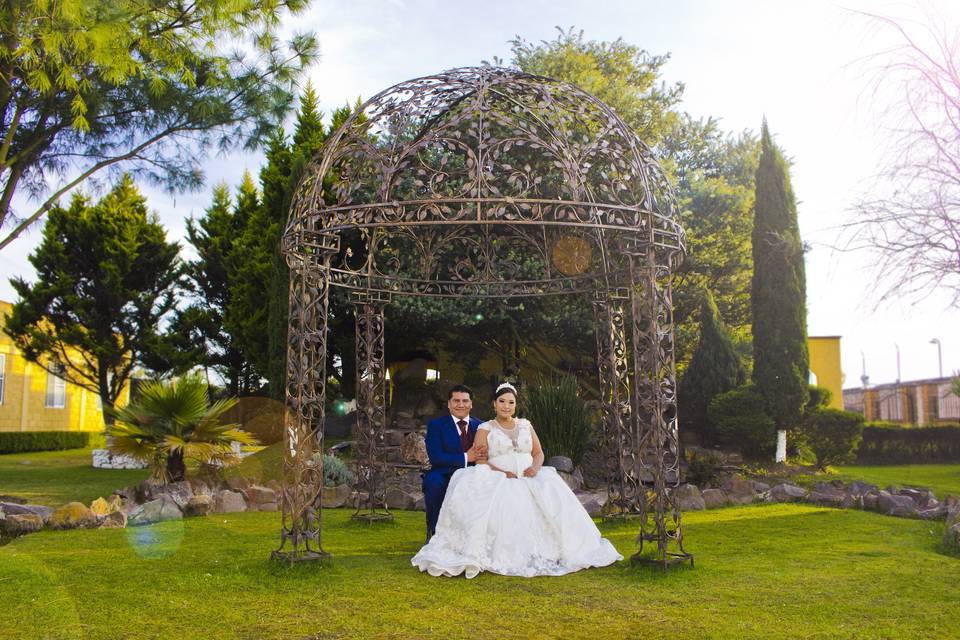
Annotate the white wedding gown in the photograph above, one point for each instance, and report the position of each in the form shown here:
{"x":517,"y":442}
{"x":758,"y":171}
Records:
{"x":512,"y":526}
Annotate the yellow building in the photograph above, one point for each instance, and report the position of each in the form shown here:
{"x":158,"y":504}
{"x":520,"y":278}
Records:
{"x":32,"y":399}
{"x":825,"y":366}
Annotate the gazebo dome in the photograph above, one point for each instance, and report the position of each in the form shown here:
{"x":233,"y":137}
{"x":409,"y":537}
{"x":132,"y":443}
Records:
{"x":484,"y":182}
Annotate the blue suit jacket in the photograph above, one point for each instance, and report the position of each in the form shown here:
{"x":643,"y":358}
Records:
{"x":443,"y":443}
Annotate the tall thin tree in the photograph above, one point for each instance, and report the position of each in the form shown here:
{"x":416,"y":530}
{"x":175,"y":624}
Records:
{"x":778,"y":292}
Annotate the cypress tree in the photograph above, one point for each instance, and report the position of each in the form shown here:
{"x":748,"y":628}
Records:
{"x":714,"y":369}
{"x":778,"y":293}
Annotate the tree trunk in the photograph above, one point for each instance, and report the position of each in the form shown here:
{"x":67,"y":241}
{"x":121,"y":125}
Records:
{"x":176,"y":469}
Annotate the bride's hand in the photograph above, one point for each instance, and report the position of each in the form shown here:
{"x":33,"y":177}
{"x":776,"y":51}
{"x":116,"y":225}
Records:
{"x":530,"y":472}
{"x":510,"y":474}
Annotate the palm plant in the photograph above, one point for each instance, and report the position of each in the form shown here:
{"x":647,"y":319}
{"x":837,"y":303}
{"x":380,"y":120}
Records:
{"x":172,"y":421}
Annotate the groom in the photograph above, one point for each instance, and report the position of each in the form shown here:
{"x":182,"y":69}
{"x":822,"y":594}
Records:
{"x":450,"y":447}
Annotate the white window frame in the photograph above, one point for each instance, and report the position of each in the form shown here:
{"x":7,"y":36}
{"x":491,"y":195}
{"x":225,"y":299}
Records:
{"x":56,"y":390}
{"x":3,"y":375}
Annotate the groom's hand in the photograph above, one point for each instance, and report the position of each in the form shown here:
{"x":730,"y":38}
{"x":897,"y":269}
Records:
{"x":477,"y":454}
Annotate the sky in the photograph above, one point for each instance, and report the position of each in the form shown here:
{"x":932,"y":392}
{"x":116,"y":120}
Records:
{"x":799,"y":64}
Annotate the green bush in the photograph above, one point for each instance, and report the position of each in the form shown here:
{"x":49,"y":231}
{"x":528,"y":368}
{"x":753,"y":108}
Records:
{"x":704,"y":469}
{"x":335,"y":471}
{"x":740,"y":419}
{"x":909,"y":445}
{"x":22,"y":441}
{"x":560,"y":417}
{"x":832,"y":435}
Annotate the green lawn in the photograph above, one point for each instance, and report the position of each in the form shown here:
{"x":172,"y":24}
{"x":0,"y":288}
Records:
{"x":940,"y":478}
{"x":56,"y":477}
{"x":771,"y":571}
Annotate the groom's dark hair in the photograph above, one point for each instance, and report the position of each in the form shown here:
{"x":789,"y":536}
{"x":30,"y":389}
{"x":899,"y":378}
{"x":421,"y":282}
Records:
{"x":459,"y":388}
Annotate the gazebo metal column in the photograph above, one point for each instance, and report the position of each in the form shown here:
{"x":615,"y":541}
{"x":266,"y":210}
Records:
{"x":655,"y":404}
{"x":613,"y":368}
{"x":371,"y":503}
{"x":303,"y":419}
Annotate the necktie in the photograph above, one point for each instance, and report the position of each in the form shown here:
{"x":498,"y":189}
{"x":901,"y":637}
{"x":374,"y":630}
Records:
{"x":464,"y":434}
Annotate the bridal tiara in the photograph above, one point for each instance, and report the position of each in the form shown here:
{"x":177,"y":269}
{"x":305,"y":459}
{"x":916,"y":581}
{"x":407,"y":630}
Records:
{"x":506,"y":385}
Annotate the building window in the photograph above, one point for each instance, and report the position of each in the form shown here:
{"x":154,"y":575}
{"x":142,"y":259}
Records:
{"x":56,"y":397}
{"x":3,"y":377}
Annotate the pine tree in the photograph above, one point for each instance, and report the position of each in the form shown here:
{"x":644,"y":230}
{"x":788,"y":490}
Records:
{"x":780,"y":357}
{"x":714,"y":369}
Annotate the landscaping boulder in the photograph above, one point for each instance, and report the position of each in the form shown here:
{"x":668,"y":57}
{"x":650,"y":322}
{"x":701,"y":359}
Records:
{"x":18,"y":524}
{"x":257,"y":495}
{"x":399,"y":499}
{"x":159,"y":510}
{"x":824,"y":499}
{"x":713,"y":498}
{"x":760,"y":487}
{"x":951,"y":537}
{"x":574,"y":480}
{"x":688,"y":498}
{"x":199,"y":505}
{"x":101,"y":507}
{"x":332,"y":497}
{"x":237,"y":483}
{"x":113,"y":520}
{"x":228,"y":501}
{"x":896,"y":505}
{"x":265,"y":506}
{"x":923,"y":497}
{"x":560,"y":463}
{"x":199,"y":487}
{"x":739,"y":490}
{"x":73,"y":515}
{"x":276,"y":485}
{"x":858,"y":488}
{"x":933,"y":513}
{"x":14,"y":509}
{"x":593,"y":502}
{"x":786,"y":492}
{"x":414,"y":449}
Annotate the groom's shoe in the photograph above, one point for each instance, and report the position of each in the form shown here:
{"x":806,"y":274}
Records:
{"x":429,"y":535}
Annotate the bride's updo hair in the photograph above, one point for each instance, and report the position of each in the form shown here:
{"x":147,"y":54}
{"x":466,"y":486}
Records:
{"x":503,"y":389}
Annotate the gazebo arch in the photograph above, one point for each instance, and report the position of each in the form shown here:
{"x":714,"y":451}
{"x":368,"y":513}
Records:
{"x":486,"y":182}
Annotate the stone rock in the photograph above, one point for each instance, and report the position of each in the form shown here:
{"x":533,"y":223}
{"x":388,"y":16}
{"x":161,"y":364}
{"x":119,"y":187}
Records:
{"x":560,"y":463}
{"x":858,"y":488}
{"x":126,"y":493}
{"x":13,"y":509}
{"x":869,"y":499}
{"x":14,"y":499}
{"x":427,"y":407}
{"x":101,"y":507}
{"x":933,"y":513}
{"x":199,"y":505}
{"x":338,"y":496}
{"x":760,"y":487}
{"x":786,"y":492}
{"x":18,"y":524}
{"x":200,"y":488}
{"x":276,"y":485}
{"x":713,"y":498}
{"x":73,"y":515}
{"x":114,"y":520}
{"x":237,"y":483}
{"x":266,"y":506}
{"x":923,"y":497}
{"x":828,"y":488}
{"x":739,"y":490}
{"x":688,"y":498}
{"x":951,"y":502}
{"x":574,"y":480}
{"x":228,"y":501}
{"x":414,"y":449}
{"x":593,"y":502}
{"x":399,"y":499}
{"x":419,"y":504}
{"x":896,"y":505}
{"x":105,"y":459}
{"x":831,"y":499}
{"x":257,"y":495}
{"x":159,"y":510}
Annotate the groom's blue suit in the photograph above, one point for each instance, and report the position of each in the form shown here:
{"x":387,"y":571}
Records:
{"x":445,"y":451}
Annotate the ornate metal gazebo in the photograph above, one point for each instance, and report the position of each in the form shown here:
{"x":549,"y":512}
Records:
{"x":486,"y":182}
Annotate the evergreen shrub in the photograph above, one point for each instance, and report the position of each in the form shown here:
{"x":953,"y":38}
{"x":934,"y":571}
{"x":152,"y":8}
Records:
{"x":560,"y":416}
{"x":832,"y":435}
{"x":741,"y":420}
{"x":909,"y":445}
{"x":23,"y":441}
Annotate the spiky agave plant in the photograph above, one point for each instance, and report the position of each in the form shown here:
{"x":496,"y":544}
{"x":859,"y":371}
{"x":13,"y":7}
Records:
{"x":171,"y":421}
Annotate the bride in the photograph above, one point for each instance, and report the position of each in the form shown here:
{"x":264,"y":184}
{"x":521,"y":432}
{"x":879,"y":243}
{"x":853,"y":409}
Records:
{"x":512,"y":516}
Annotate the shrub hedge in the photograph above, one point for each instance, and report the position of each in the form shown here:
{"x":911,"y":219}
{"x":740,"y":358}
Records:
{"x":909,"y":445}
{"x":23,"y":441}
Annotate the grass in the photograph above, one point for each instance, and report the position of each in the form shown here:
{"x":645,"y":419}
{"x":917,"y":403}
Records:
{"x":772,"y":571}
{"x":57,"y":477}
